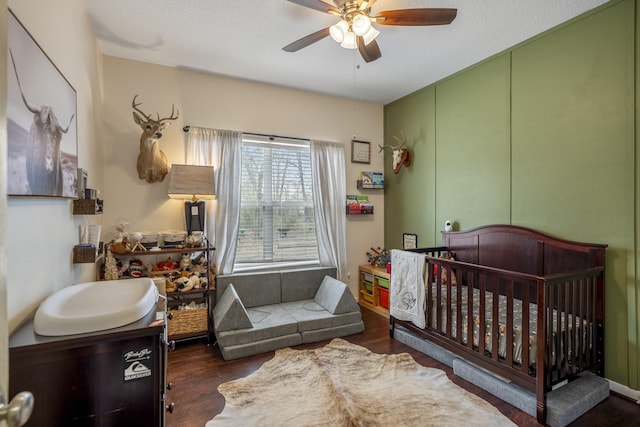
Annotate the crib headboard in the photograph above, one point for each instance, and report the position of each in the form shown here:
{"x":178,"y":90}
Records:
{"x":521,"y":249}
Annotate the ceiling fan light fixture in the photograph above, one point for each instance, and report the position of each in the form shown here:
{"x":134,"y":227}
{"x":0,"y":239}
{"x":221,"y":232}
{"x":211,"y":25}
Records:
{"x":370,"y":35}
{"x":361,"y":24}
{"x":349,"y":41}
{"x":338,"y":31}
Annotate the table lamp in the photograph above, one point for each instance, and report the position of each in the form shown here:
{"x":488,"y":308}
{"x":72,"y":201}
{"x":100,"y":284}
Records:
{"x":194,"y":183}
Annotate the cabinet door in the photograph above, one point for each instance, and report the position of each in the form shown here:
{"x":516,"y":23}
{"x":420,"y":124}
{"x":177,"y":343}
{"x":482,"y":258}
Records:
{"x":114,"y":383}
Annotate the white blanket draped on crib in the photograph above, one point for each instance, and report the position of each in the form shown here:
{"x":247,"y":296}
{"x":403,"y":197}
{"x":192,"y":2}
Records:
{"x":406,"y":290}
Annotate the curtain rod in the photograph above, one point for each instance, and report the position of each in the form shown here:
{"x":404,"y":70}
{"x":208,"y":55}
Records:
{"x":188,"y":127}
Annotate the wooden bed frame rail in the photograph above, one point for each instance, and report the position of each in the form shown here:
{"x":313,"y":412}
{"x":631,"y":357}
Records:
{"x":565,"y":281}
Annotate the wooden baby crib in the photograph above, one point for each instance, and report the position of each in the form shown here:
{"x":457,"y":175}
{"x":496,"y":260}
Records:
{"x":498,"y":271}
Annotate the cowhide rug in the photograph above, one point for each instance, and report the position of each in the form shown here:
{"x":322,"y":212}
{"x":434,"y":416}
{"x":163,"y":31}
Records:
{"x":343,"y":384}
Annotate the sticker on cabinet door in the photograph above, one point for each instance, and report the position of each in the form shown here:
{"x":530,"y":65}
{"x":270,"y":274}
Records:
{"x":137,"y":364}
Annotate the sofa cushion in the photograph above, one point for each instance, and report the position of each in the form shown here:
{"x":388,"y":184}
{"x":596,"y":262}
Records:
{"x":254,"y":289}
{"x":329,"y":333}
{"x":336,"y":297}
{"x":268,"y":321}
{"x":229,"y":313}
{"x":310,"y":316}
{"x":242,"y":350}
{"x":303,"y":284}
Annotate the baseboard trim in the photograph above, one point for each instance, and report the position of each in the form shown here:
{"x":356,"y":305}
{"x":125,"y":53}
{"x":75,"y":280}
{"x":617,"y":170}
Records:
{"x":625,"y":391}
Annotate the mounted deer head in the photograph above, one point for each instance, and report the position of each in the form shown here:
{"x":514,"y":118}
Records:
{"x":152,"y":163}
{"x":401,"y":156}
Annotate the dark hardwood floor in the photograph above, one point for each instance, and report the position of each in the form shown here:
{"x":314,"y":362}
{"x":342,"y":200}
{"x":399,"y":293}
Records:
{"x":195,"y":371}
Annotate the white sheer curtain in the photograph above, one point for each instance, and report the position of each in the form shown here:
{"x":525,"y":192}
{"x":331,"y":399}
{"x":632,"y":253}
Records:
{"x":329,"y":198}
{"x":221,"y":149}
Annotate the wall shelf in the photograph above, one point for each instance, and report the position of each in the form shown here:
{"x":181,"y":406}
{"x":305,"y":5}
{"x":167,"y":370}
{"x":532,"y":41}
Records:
{"x":370,"y":181}
{"x":87,"y":206}
{"x":87,"y":254}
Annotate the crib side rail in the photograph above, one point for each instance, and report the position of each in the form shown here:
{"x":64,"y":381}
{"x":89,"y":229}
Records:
{"x":575,"y":306}
{"x":562,"y":337}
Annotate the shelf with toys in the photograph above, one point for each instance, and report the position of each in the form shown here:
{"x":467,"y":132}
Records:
{"x":373,"y":282}
{"x":183,"y":273}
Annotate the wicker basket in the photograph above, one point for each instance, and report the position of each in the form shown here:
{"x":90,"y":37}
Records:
{"x":188,"y":321}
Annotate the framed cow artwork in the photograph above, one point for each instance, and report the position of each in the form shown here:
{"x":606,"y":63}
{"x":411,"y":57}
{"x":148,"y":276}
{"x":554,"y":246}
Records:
{"x":42,"y":138}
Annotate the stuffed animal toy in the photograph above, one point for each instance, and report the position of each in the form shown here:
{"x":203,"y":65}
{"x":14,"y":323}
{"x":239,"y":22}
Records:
{"x":183,"y":284}
{"x":171,"y":286}
{"x":121,"y":246}
{"x":185,"y":261}
{"x":194,"y":281}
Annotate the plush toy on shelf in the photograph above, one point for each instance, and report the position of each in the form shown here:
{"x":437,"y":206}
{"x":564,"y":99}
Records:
{"x":120,"y":246}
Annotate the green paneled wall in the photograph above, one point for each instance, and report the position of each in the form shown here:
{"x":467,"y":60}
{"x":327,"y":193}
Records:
{"x":472,"y":147}
{"x":409,"y":195}
{"x":542,"y":136}
{"x":573,"y":165}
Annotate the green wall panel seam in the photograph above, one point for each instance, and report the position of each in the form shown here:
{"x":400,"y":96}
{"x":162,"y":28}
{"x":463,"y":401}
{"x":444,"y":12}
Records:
{"x":435,"y":176}
{"x":510,"y":137}
{"x":633,"y":303}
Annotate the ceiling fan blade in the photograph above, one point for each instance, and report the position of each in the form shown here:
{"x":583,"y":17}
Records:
{"x":307,"y":40}
{"x":416,"y":16}
{"x":370,"y":52}
{"x":317,"y":5}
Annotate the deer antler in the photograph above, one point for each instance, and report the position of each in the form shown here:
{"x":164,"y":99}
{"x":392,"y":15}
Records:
{"x":401,"y":143}
{"x":135,"y":107}
{"x":148,"y":116}
{"x":170,"y":117}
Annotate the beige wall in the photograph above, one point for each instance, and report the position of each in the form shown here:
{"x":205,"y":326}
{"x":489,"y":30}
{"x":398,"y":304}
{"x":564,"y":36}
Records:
{"x":40,"y":232}
{"x":219,"y":102}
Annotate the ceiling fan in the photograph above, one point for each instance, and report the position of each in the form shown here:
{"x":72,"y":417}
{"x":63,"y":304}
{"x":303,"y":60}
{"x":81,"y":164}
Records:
{"x":355,"y":30}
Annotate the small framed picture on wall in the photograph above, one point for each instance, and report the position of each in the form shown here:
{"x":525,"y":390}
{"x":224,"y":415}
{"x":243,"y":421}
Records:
{"x":409,"y":241}
{"x":360,"y":152}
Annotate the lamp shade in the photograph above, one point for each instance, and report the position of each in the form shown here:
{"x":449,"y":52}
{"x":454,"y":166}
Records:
{"x":338,"y":31}
{"x":361,"y":24}
{"x":349,"y":41}
{"x":191,"y":182}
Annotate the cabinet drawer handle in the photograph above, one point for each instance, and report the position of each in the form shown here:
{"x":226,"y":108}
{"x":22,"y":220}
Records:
{"x":171,"y":345}
{"x":170,"y":407}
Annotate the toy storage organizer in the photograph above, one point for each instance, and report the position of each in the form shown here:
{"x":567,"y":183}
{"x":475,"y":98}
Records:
{"x":373,"y":289}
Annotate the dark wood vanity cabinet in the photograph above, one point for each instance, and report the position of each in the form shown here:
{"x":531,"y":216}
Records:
{"x":108,"y":378}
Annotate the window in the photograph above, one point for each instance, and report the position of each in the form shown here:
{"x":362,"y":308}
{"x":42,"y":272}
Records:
{"x":277,"y":225}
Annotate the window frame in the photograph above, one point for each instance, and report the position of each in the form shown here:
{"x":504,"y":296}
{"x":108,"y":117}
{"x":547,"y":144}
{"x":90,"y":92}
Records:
{"x":261,"y":141}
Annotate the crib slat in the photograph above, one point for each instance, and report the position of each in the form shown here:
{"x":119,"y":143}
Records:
{"x":577,"y":310}
{"x":495,"y":319}
{"x":525,"y":360}
{"x":473,"y":282}
{"x":509,"y":327}
{"x":449,"y":302}
{"x":481,"y":315}
{"x":459,"y":306}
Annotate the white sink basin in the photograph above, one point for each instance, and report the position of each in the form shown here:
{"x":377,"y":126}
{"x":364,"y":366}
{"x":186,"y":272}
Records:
{"x":95,"y":306}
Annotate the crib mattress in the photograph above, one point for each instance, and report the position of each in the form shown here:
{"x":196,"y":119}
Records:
{"x":531,"y":340}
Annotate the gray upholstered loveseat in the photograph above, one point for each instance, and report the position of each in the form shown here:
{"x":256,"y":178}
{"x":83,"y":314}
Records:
{"x":261,"y":312}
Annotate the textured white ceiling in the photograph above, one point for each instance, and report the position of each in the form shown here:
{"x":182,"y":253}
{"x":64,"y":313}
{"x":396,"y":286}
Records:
{"x":244,"y":39}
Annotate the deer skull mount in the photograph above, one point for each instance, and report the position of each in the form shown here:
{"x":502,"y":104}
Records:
{"x":401,"y":156}
{"x":152,"y":163}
